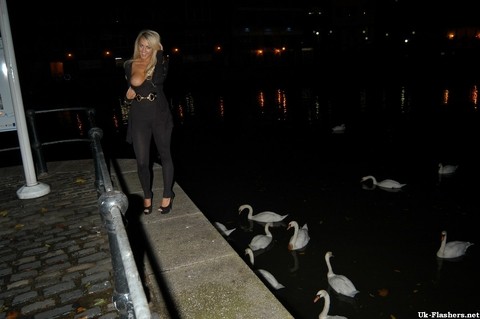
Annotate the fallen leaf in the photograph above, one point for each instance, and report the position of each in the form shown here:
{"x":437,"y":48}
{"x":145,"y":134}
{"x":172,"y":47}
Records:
{"x":81,"y":309}
{"x":393,"y":317}
{"x":99,"y":302}
{"x":383,"y":292}
{"x":13,"y":314}
{"x":4,"y":213}
{"x":80,"y":180}
{"x":43,"y":210}
{"x":19,"y":226}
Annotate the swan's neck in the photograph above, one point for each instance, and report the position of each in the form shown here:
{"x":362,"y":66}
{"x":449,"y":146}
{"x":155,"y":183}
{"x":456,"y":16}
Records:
{"x":330,"y":271}
{"x":250,"y":255}
{"x":444,"y":242}
{"x":267,"y":231}
{"x":293,"y":240}
{"x":326,"y":307}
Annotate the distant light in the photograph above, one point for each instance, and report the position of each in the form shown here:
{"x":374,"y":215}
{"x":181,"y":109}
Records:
{"x":406,"y":40}
{"x":246,"y":29}
{"x":450,"y":35}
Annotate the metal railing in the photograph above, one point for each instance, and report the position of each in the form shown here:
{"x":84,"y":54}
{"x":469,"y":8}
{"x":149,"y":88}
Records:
{"x":37,"y":145}
{"x":129,"y":296}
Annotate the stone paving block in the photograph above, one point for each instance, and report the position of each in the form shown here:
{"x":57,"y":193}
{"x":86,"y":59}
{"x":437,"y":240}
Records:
{"x":93,"y":257}
{"x":98,"y":287}
{"x":21,"y":298}
{"x":96,"y":277}
{"x":70,"y":295}
{"x":24,"y":274}
{"x":32,"y":265}
{"x":90,"y":313}
{"x":56,"y":267}
{"x":56,"y":312}
{"x":13,"y":292}
{"x":17,"y":284}
{"x":56,"y":289}
{"x":39,"y":305}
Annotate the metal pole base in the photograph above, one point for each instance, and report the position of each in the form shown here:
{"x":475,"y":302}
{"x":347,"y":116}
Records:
{"x":33,"y":191}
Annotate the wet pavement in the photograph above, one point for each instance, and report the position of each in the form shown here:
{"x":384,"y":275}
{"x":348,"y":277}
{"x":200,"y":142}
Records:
{"x":55,"y":258}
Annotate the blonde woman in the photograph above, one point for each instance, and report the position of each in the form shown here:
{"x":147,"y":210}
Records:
{"x":150,"y":116}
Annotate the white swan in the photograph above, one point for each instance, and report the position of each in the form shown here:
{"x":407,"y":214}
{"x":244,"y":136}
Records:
{"x":264,"y":217}
{"x":270,"y":279}
{"x":339,"y":129}
{"x":300,"y":237}
{"x":249,"y":253}
{"x":446,"y":169}
{"x":326,"y":306}
{"x":385,"y":184}
{"x":262,"y":241}
{"x":223,"y":230}
{"x":452,"y":249}
{"x":340,"y":283}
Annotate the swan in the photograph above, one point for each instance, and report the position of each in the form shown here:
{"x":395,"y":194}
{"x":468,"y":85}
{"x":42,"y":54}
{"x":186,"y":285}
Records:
{"x":326,"y":306}
{"x":386,"y":183}
{"x":339,"y":129}
{"x":264,"y":217}
{"x":223,"y":230}
{"x":452,"y":249}
{"x":446,"y":169}
{"x":265,"y":274}
{"x":270,"y":279}
{"x":262,"y":241}
{"x":340,"y":283}
{"x":249,"y":253}
{"x":300,"y":236}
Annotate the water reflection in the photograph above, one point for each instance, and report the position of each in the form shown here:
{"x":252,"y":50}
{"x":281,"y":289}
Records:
{"x":287,"y":160}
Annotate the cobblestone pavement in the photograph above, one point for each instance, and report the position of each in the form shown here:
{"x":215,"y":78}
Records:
{"x":54,"y":251}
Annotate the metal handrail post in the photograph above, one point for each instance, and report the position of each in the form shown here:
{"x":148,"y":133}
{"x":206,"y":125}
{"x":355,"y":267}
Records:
{"x":36,"y":145}
{"x":97,"y":133}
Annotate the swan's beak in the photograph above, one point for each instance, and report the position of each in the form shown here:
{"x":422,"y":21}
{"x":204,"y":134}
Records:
{"x":316,"y":298}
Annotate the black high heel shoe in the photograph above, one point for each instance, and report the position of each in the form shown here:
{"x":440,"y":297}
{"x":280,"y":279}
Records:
{"x":147,"y":210}
{"x":168,"y":208}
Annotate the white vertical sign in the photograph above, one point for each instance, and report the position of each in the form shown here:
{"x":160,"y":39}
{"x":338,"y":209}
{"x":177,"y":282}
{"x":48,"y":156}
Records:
{"x":7,"y":116}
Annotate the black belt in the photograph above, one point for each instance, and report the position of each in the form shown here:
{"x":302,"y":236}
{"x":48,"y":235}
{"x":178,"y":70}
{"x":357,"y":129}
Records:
{"x":151,"y":97}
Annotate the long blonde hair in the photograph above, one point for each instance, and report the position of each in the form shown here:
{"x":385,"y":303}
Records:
{"x":153,"y":39}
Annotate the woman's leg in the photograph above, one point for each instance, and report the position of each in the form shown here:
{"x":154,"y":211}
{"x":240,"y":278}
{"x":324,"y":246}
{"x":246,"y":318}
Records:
{"x":162,"y":137}
{"x":141,"y":138}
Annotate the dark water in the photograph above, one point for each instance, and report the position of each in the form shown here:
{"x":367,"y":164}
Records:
{"x":271,"y":146}
{"x":268,"y":142}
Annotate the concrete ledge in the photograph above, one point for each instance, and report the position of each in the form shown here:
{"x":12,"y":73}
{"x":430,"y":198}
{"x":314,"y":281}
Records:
{"x":191,"y":269}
